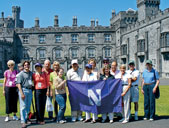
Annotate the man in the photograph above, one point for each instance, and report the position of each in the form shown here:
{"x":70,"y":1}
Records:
{"x":134,"y":87}
{"x":24,"y":84}
{"x":20,"y":67}
{"x":47,"y":69}
{"x":75,"y":74}
{"x":105,"y":63}
{"x":114,"y":70}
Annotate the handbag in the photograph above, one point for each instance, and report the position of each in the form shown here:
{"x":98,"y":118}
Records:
{"x":157,"y":93}
{"x":49,"y":105}
{"x":32,"y":115}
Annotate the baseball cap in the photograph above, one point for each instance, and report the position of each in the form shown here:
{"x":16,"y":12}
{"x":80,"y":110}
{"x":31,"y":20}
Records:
{"x":38,"y":65}
{"x":149,"y":62}
{"x":74,"y":61}
{"x":88,"y":66}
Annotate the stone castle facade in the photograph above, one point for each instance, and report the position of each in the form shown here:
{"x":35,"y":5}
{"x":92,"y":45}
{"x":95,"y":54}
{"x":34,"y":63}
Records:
{"x":132,"y":35}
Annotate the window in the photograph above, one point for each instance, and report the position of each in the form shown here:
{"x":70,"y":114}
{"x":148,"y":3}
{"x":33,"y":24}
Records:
{"x":124,"y":49}
{"x":107,"y":37}
{"x":58,"y":53}
{"x":74,"y":38}
{"x":58,"y":38}
{"x":25,"y":54}
{"x":165,"y":39}
{"x":42,"y":39}
{"x":74,"y":53}
{"x":91,"y":52}
{"x":90,"y":37}
{"x":25,"y":39}
{"x":42,"y":53}
{"x":141,"y":46}
{"x":107,"y":52}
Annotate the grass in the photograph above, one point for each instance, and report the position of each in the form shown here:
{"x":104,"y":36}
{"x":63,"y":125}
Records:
{"x":1,"y":81}
{"x":162,"y":104}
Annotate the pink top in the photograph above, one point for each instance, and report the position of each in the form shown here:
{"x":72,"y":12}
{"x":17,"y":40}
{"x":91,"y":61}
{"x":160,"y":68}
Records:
{"x":10,"y":78}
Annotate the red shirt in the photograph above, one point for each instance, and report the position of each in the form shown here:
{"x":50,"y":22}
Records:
{"x":40,"y":80}
{"x":48,"y":74}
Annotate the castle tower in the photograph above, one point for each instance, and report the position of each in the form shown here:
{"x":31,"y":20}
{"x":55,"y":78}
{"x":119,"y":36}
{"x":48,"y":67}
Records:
{"x":16,"y":15}
{"x":147,"y":8}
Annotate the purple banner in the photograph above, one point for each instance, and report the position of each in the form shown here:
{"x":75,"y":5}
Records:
{"x":96,"y":96}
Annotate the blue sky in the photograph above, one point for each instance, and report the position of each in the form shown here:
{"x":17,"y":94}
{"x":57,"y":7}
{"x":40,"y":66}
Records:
{"x":66,"y":9}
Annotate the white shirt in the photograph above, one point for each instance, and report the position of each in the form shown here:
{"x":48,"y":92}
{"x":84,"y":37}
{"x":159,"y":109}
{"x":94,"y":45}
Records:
{"x":75,"y":75}
{"x":89,"y":77}
{"x":125,"y":78}
{"x":115,"y":74}
{"x":134,"y":74}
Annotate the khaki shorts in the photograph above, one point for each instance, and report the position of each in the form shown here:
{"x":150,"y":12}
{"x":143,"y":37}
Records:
{"x":134,"y":90}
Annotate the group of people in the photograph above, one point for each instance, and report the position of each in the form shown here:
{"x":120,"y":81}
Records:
{"x":51,"y":83}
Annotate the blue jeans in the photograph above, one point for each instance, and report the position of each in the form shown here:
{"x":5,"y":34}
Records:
{"x":61,"y":100}
{"x":25,"y":104}
{"x":149,"y":101}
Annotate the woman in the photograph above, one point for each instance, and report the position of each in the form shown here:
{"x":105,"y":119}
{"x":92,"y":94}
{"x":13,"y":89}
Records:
{"x":126,"y":83}
{"x":10,"y":90}
{"x":94,"y":68}
{"x":106,"y":75}
{"x":54,"y":74}
{"x":60,"y":95}
{"x":89,"y":76}
{"x":150,"y":82}
{"x":41,"y":87}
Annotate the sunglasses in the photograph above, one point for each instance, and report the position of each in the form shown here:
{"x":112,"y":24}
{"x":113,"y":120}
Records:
{"x":105,"y":62}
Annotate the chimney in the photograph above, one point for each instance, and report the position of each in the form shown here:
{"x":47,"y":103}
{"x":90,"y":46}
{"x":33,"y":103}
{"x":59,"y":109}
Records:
{"x":113,"y":13}
{"x":92,"y":23}
{"x":56,"y":21}
{"x":2,"y":15}
{"x":74,"y":21}
{"x":37,"y":22}
{"x":97,"y":22}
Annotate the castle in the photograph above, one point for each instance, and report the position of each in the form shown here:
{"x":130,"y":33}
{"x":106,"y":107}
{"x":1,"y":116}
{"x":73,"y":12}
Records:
{"x":132,"y":35}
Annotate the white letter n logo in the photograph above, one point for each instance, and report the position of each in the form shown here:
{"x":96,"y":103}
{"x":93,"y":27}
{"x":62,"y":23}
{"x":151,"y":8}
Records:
{"x":94,"y":98}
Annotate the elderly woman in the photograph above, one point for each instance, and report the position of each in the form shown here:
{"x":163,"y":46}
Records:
{"x":60,"y":96}
{"x":41,"y":87}
{"x":10,"y":90}
{"x":126,"y":83}
{"x":89,"y":76}
{"x":150,"y":82}
{"x":106,"y":75}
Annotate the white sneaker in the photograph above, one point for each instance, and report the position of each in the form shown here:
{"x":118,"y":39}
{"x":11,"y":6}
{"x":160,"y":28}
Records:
{"x":62,"y":122}
{"x":80,"y":118}
{"x":125,"y":121}
{"x":15,"y":118}
{"x":73,"y":119}
{"x":111,"y":121}
{"x":121,"y":120}
{"x":151,"y":119}
{"x":136,"y":118}
{"x":6,"y":119}
{"x":145,"y":118}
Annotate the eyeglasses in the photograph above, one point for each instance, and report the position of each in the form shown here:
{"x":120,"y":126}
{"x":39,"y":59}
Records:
{"x":11,"y":65}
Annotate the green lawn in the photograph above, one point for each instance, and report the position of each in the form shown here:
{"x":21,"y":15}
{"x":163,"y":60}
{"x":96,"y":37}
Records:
{"x":1,"y":81}
{"x":162,"y":104}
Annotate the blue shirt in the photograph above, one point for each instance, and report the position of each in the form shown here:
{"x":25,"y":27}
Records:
{"x":148,"y":76}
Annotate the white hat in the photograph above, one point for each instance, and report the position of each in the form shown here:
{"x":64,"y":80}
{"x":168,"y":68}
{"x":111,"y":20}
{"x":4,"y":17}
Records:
{"x":74,"y":61}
